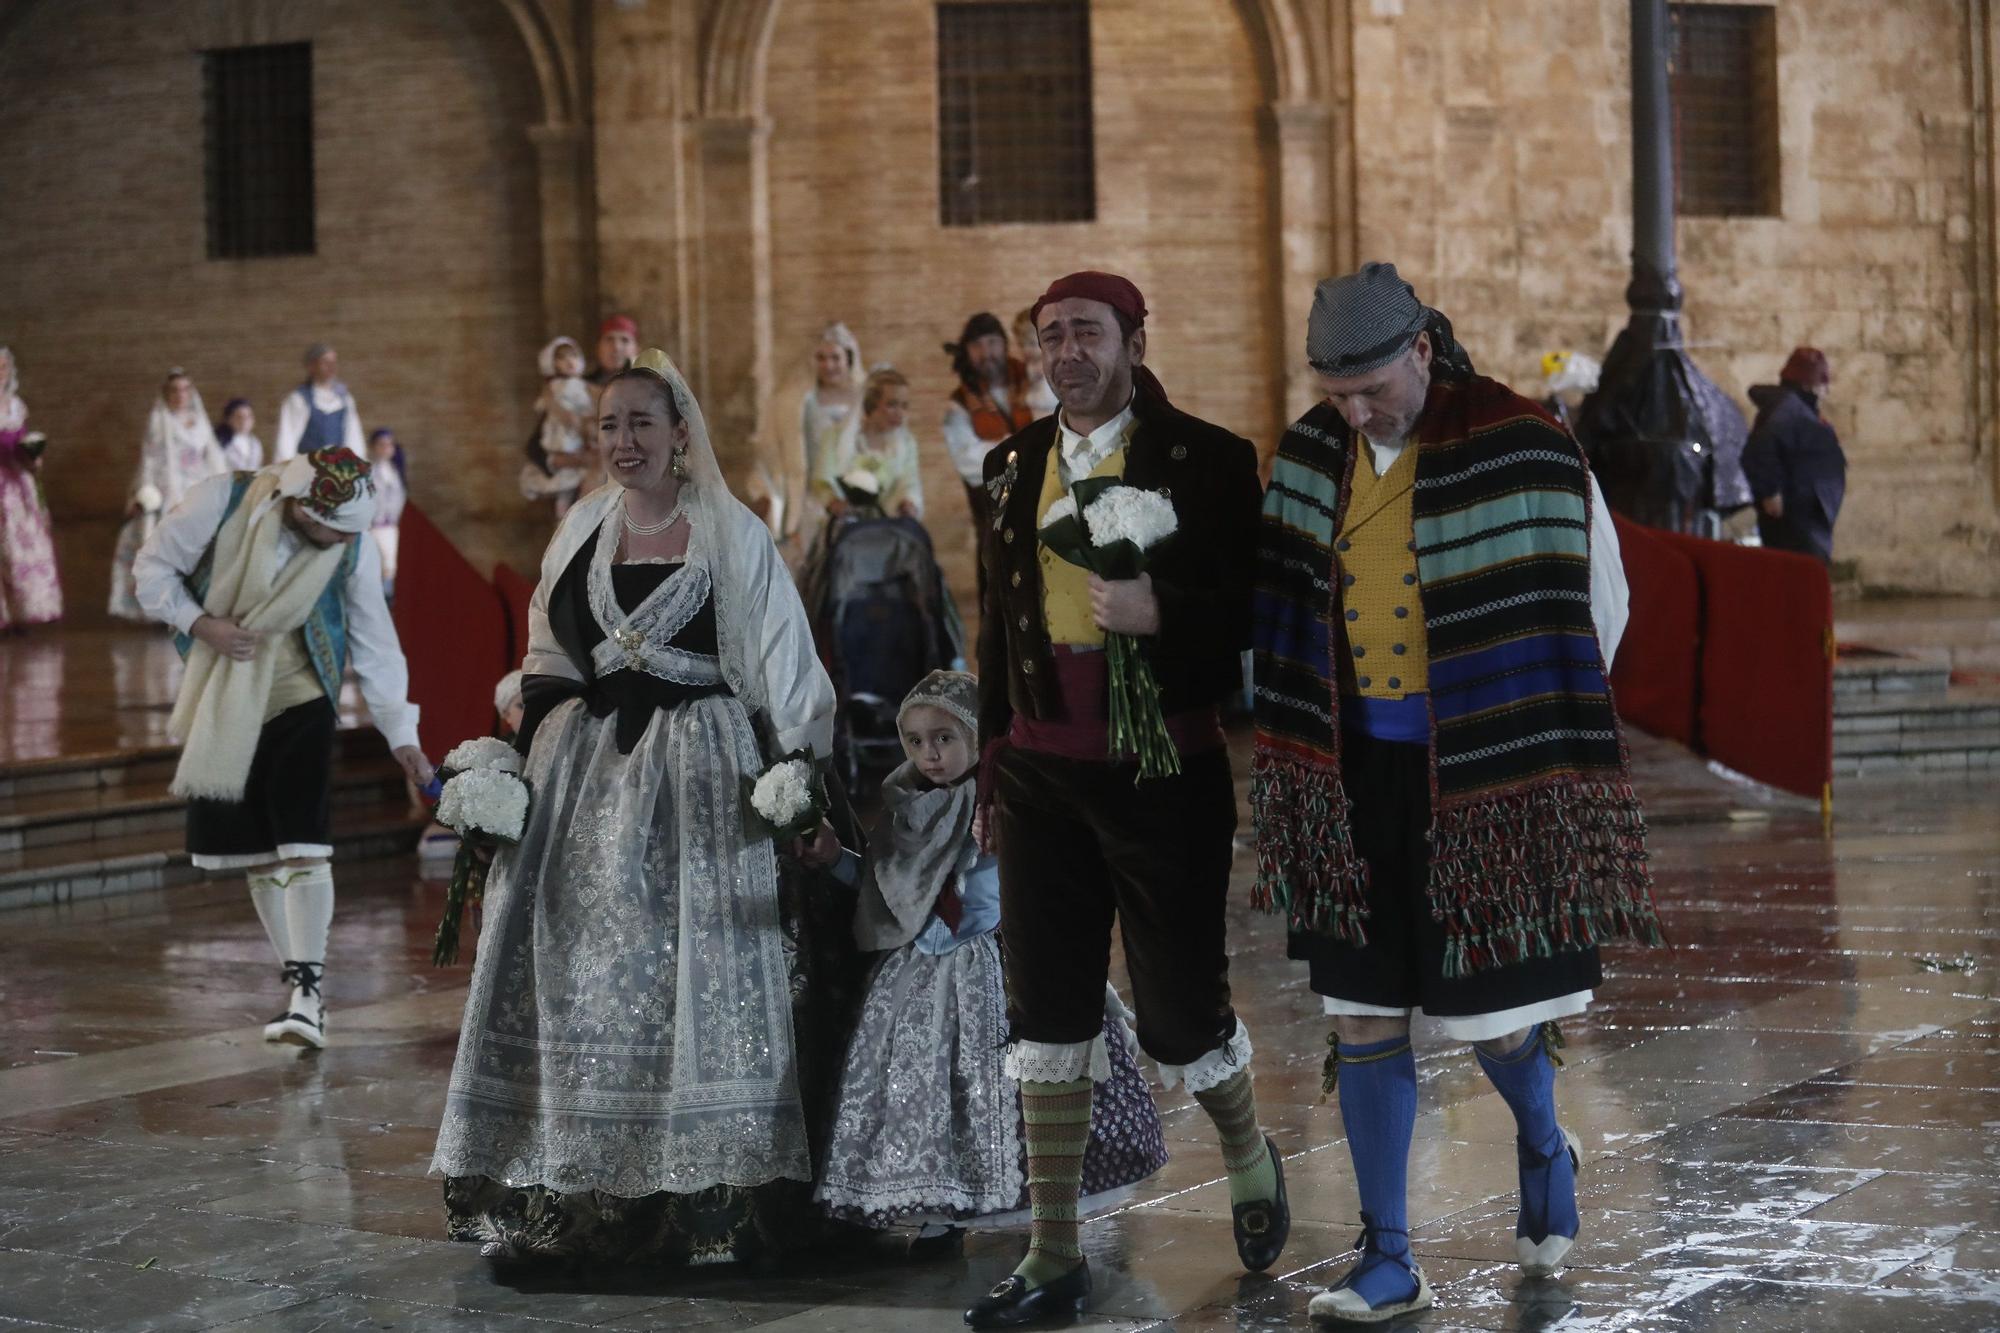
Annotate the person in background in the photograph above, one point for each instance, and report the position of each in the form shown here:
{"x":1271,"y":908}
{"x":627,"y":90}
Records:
{"x":179,"y":451}
{"x":236,"y":434}
{"x":562,"y":462}
{"x":392,"y":492}
{"x":989,"y":404}
{"x":320,"y":413}
{"x":879,"y":441}
{"x":827,"y":415}
{"x":1042,"y":398}
{"x":617,"y":344}
{"x":1797,"y":472}
{"x":30,"y":589}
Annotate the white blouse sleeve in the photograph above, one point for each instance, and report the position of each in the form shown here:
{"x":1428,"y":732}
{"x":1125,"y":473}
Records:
{"x":798,"y":694}
{"x":1610,"y":595}
{"x":161,"y":567}
{"x":968,"y":451}
{"x":376,"y":653}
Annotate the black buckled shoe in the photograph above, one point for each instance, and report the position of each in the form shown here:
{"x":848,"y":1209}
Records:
{"x":1014,"y":1303}
{"x":1263,"y":1227}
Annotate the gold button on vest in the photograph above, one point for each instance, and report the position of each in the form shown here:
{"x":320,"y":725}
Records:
{"x":1382,"y":612}
{"x":1065,"y":588}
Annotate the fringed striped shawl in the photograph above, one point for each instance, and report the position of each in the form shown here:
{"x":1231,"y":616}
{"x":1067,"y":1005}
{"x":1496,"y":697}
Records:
{"x":1537,"y":842}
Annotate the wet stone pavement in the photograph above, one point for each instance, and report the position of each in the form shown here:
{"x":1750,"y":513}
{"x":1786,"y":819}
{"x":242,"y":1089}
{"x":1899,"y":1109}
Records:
{"x":1788,"y":1119}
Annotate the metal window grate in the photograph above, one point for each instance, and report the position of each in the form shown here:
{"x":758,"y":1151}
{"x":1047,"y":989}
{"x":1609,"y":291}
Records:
{"x":1724,"y":69}
{"x":1015,"y":137}
{"x":259,"y":132}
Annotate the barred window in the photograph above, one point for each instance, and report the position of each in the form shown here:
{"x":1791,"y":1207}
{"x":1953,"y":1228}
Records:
{"x":258,"y":129}
{"x":1015,"y":138}
{"x":1724,"y":70}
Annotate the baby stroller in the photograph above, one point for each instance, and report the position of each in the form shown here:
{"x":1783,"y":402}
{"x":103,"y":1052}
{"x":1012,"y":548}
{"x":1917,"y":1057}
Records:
{"x":883,"y":620}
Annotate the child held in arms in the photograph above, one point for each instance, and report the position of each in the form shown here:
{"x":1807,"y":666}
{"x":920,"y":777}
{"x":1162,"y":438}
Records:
{"x":928,"y":1131}
{"x":560,"y":463}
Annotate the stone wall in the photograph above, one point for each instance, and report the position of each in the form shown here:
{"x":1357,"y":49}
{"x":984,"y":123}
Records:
{"x":1493,"y":158}
{"x":1182,"y":208}
{"x":426,"y":277}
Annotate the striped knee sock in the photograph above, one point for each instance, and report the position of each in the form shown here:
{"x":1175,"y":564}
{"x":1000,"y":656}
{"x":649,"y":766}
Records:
{"x":1232,"y":1105}
{"x":1057,"y":1121}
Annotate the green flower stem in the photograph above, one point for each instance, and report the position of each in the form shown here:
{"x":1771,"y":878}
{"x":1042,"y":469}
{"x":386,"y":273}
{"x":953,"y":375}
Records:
{"x":1138,"y":725}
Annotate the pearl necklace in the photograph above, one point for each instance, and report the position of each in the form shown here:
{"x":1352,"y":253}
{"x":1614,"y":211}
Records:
{"x":655,"y":529}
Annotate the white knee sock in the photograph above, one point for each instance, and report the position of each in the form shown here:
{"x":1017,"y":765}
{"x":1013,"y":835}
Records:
{"x":267,"y":895}
{"x":309,"y":915}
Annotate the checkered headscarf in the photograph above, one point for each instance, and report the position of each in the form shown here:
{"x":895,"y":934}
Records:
{"x":1367,"y":319}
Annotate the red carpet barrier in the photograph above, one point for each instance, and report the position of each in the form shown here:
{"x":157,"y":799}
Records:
{"x":1766,"y":694}
{"x":516,"y":592}
{"x":1659,"y":659}
{"x":454,"y":631}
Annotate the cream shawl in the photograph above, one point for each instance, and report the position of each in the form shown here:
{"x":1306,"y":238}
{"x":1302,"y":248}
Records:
{"x":220,"y":711}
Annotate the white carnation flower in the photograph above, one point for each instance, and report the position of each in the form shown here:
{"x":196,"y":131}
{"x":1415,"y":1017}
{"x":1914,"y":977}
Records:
{"x":1127,"y":513}
{"x":485,"y":801}
{"x":784,"y":793}
{"x":861,"y":479}
{"x":1060,"y":510}
{"x":483,"y":753}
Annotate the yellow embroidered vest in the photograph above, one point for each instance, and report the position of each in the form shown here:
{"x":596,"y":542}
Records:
{"x":1378,"y":584}
{"x":1065,"y":588}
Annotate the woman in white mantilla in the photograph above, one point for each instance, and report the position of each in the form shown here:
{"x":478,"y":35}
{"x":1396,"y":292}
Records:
{"x":654,"y":1020}
{"x":178,"y":452}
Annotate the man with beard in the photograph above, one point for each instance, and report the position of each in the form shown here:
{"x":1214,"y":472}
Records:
{"x":1082,"y":842}
{"x":989,"y":404}
{"x":1440,"y":794}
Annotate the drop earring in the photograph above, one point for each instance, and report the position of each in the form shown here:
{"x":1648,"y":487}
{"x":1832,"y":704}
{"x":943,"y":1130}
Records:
{"x":679,"y":465}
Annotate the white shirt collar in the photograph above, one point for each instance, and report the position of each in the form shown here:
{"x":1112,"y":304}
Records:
{"x":1081,"y":454}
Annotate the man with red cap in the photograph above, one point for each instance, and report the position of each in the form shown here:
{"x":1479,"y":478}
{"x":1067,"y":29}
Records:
{"x":1797,"y":472}
{"x":1082,"y":841}
{"x":617,"y":344}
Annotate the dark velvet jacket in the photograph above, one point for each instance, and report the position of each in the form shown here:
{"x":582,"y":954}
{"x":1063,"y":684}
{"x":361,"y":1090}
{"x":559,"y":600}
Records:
{"x":1201,"y":575}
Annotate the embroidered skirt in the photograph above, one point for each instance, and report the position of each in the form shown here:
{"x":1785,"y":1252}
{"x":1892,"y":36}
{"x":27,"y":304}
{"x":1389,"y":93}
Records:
{"x":656,"y":1011}
{"x":929,"y":1124}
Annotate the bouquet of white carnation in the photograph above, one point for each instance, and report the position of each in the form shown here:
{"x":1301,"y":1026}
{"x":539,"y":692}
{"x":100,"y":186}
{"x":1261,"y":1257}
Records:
{"x":862,"y":484}
{"x":485,"y":801}
{"x":1119,"y":528}
{"x":787,"y":800}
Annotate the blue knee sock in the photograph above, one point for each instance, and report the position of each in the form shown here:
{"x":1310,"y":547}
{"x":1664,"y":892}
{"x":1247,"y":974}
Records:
{"x":1526,"y":1079}
{"x":1378,"y":1105}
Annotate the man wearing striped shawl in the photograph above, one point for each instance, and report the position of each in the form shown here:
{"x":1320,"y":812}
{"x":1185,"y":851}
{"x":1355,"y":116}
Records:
{"x":1440,"y":792}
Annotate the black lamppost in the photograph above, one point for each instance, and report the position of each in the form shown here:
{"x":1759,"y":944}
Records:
{"x":1665,"y":442}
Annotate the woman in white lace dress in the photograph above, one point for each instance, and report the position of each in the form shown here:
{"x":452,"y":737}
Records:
{"x":657,"y":1007}
{"x":179,"y":450}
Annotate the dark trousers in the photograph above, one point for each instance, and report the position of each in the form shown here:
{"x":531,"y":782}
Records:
{"x":1402,"y":965}
{"x":288,"y":799}
{"x":1080,"y":845}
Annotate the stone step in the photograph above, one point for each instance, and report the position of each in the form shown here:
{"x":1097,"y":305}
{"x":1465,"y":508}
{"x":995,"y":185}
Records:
{"x":142,"y":766}
{"x":88,"y":814}
{"x":1932,"y":740}
{"x":1982,"y":758}
{"x":136,"y":862}
{"x":1861,"y":676}
{"x":1959,"y":707}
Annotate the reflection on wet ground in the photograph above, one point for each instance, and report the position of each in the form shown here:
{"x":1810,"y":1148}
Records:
{"x":1788,"y":1117}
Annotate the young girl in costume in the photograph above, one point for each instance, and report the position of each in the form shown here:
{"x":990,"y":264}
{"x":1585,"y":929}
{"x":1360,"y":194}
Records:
{"x":928,"y":1131}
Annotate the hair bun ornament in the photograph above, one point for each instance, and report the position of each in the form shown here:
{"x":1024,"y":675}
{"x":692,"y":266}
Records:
{"x":655,"y":360}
